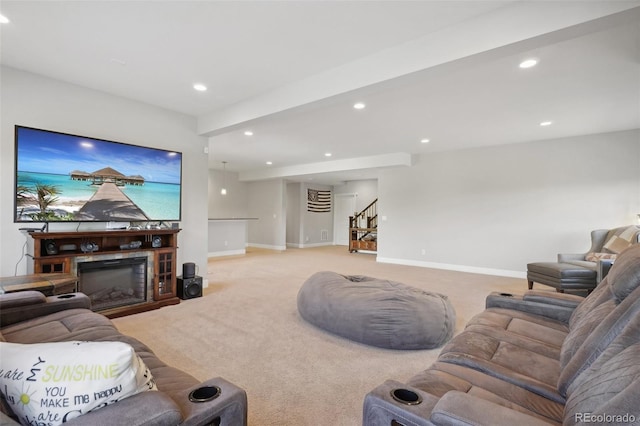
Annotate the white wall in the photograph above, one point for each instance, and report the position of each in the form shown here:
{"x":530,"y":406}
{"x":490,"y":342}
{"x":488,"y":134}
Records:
{"x":496,"y":209}
{"x":36,"y":101}
{"x":267,"y":203}
{"x":227,"y":237}
{"x":366,"y":190}
{"x":232,"y":205}
{"x":313,"y":224}
{"x":293,"y":214}
{"x":227,"y":227}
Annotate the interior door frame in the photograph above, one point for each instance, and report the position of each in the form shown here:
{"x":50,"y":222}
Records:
{"x":343,"y":198}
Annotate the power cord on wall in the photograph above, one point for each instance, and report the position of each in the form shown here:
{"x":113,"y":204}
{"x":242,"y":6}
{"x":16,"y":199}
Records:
{"x":26,"y":241}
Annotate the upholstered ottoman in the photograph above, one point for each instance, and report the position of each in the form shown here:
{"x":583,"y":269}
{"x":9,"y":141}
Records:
{"x":561,"y":276}
{"x":376,"y":312}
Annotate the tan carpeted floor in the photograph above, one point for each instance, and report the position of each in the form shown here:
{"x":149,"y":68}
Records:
{"x":247,"y":329}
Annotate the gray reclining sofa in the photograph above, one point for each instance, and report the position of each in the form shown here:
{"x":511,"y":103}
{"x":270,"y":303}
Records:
{"x":30,"y":317}
{"x":538,"y":359}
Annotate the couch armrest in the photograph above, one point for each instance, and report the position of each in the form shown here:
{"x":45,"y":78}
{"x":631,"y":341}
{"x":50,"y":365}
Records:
{"x":553,"y":298}
{"x":25,"y":305}
{"x":143,"y":409}
{"x":7,"y":421}
{"x":548,"y":306}
{"x":459,"y":408}
{"x":604,"y":265}
{"x":382,"y":409}
{"x":229,"y":408}
{"x":568,"y":257}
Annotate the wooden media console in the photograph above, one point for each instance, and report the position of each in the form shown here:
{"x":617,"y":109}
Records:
{"x":61,"y":252}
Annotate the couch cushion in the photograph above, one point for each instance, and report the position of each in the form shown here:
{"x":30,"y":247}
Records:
{"x":619,"y":329}
{"x":625,"y":273}
{"x":21,"y":298}
{"x":612,"y":390}
{"x":619,"y":239}
{"x":530,"y":326}
{"x":599,"y":295}
{"x":82,"y":324}
{"x":594,"y":257}
{"x":70,"y":324}
{"x":52,"y":383}
{"x":443,"y":377}
{"x":598,"y":308}
{"x":512,"y":362}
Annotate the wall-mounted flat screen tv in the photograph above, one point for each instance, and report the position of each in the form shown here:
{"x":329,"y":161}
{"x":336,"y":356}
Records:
{"x":63,"y":177}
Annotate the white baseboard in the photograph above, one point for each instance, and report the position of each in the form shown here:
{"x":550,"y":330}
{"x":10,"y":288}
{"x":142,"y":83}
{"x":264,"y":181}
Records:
{"x":295,"y":245}
{"x":451,"y":267}
{"x":267,"y":246}
{"x":226,"y":253}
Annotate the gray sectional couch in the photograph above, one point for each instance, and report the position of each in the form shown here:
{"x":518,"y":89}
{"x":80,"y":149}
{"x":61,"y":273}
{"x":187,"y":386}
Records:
{"x":30,"y":317}
{"x":537,"y":359}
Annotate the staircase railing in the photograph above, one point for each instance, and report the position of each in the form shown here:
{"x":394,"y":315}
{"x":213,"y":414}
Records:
{"x":367,"y":218}
{"x":363,"y":228}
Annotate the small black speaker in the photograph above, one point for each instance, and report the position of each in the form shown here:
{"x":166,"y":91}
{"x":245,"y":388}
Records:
{"x":189,"y":288}
{"x":188,"y":270}
{"x":50,"y":247}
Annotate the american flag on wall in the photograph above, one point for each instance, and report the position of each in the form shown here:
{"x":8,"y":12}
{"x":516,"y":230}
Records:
{"x":318,"y":201}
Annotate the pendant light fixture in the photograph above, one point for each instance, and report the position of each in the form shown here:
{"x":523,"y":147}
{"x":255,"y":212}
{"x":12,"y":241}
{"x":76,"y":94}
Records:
{"x":223,"y":191}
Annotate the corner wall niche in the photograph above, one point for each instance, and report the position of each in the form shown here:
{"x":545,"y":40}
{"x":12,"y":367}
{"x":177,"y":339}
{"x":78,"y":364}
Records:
{"x":62,"y":252}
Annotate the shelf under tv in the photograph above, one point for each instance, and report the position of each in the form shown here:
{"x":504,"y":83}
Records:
{"x":60,"y":252}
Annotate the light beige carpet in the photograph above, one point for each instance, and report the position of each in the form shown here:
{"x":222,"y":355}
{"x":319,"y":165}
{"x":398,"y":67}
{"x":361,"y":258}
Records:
{"x":247,"y":329}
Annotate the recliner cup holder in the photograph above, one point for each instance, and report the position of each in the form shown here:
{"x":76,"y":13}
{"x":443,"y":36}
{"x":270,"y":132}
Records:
{"x":406,"y":396}
{"x":506,"y":294}
{"x":204,"y":394}
{"x":66,"y":296}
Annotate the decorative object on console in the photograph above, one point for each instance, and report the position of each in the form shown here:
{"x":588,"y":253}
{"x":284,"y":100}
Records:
{"x":50,"y":247}
{"x":131,"y":245}
{"x":156,"y":242}
{"x":88,"y":247}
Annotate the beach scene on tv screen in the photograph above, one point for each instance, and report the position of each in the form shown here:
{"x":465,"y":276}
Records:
{"x":61,"y":177}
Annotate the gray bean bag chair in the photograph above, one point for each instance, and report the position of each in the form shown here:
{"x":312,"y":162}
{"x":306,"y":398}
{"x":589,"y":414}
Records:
{"x":376,"y":312}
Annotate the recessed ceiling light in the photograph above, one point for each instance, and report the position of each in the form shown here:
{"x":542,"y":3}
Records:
{"x":528,"y":63}
{"x":327,"y":154}
{"x":200,"y":87}
{"x":546,"y":123}
{"x":248,"y":133}
{"x":269,"y":163}
{"x":424,"y":140}
{"x":359,"y":105}
{"x":4,"y":19}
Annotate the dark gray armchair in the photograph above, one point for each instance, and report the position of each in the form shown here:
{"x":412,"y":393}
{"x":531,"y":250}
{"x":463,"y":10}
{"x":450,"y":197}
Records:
{"x":602,"y":253}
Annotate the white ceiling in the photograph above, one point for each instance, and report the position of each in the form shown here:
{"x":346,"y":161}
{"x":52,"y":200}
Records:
{"x":291,"y":71}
